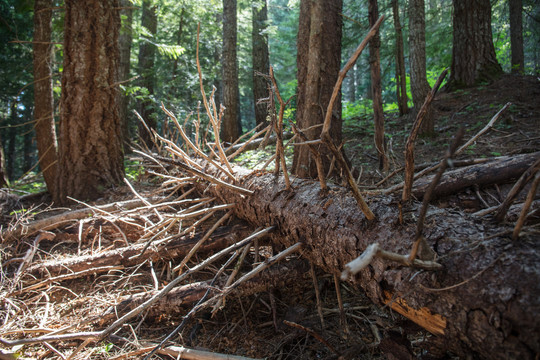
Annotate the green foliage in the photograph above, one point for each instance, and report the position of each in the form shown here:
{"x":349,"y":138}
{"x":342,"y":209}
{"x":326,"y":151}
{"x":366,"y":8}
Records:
{"x":133,"y":169}
{"x":176,"y":77}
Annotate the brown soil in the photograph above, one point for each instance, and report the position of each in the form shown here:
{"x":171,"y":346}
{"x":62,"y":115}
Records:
{"x":253,"y":326}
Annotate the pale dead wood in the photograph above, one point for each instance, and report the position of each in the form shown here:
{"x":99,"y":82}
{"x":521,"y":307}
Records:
{"x":213,"y":117}
{"x":181,"y":352}
{"x":55,"y":221}
{"x":99,"y":335}
{"x":164,"y":249}
{"x":278,"y":129}
{"x":74,"y":275}
{"x":198,"y":173}
{"x":192,"y":146}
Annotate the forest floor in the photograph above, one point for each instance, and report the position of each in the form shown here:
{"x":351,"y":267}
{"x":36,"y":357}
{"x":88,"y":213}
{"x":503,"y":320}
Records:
{"x":252,"y":325}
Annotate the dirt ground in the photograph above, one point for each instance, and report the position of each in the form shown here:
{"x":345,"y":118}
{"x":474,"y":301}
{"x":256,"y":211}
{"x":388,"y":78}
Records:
{"x":253,"y":326}
{"x":517,"y":131}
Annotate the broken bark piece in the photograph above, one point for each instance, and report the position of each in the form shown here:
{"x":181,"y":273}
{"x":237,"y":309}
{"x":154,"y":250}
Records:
{"x":434,"y":323}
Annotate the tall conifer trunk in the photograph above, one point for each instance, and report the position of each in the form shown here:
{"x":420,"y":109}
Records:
{"x":261,"y":62}
{"x":376,"y":88}
{"x":516,"y":35}
{"x":124,"y":40}
{"x":147,"y":52}
{"x":473,"y":53}
{"x":318,"y":62}
{"x":90,"y":148}
{"x":417,"y":42}
{"x":43,"y":92}
{"x":230,"y":129}
{"x":401,"y":80}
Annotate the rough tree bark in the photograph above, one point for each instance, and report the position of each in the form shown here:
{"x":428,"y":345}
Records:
{"x":11,"y":139}
{"x":261,"y":61}
{"x":481,"y":302}
{"x":516,"y":35}
{"x":417,"y":44}
{"x":28,"y":149}
{"x":493,"y":172}
{"x":230,"y":125}
{"x":3,"y":179}
{"x":43,"y":92}
{"x":473,"y":53}
{"x":318,"y":61}
{"x":376,"y":88}
{"x":90,"y":148}
{"x":124,"y":42}
{"x":147,"y":52}
{"x":401,"y":80}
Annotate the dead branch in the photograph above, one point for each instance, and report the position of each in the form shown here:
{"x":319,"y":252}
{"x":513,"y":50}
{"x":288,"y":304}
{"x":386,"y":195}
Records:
{"x":166,"y":249}
{"x":278,"y":130}
{"x":181,"y":352}
{"x":526,"y":206}
{"x":55,"y":221}
{"x":420,"y":240}
{"x":196,"y":172}
{"x":516,"y":189}
{"x":325,"y":133}
{"x":98,"y":335}
{"x":409,"y":147}
{"x":213,"y":117}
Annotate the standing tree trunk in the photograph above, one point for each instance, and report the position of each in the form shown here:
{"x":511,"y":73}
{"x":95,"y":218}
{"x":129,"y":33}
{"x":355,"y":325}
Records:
{"x":3,"y":179}
{"x":125,"y":40}
{"x":351,"y":82}
{"x":179,"y":39}
{"x":90,"y":147}
{"x":473,"y":53}
{"x":376,"y":88}
{"x":318,"y":61}
{"x":43,"y":92}
{"x":516,"y":35}
{"x":261,"y":62}
{"x":230,"y":129}
{"x":11,"y":140}
{"x":417,"y":57}
{"x":147,"y":52}
{"x":28,"y":150}
{"x":401,"y":76}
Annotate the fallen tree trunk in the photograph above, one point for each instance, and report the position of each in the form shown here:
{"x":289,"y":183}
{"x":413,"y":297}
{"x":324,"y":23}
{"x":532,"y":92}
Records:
{"x":485,"y":300}
{"x":495,"y":172}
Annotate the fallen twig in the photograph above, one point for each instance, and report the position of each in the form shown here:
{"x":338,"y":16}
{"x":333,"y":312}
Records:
{"x":198,"y":173}
{"x":409,"y":147}
{"x":526,"y":206}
